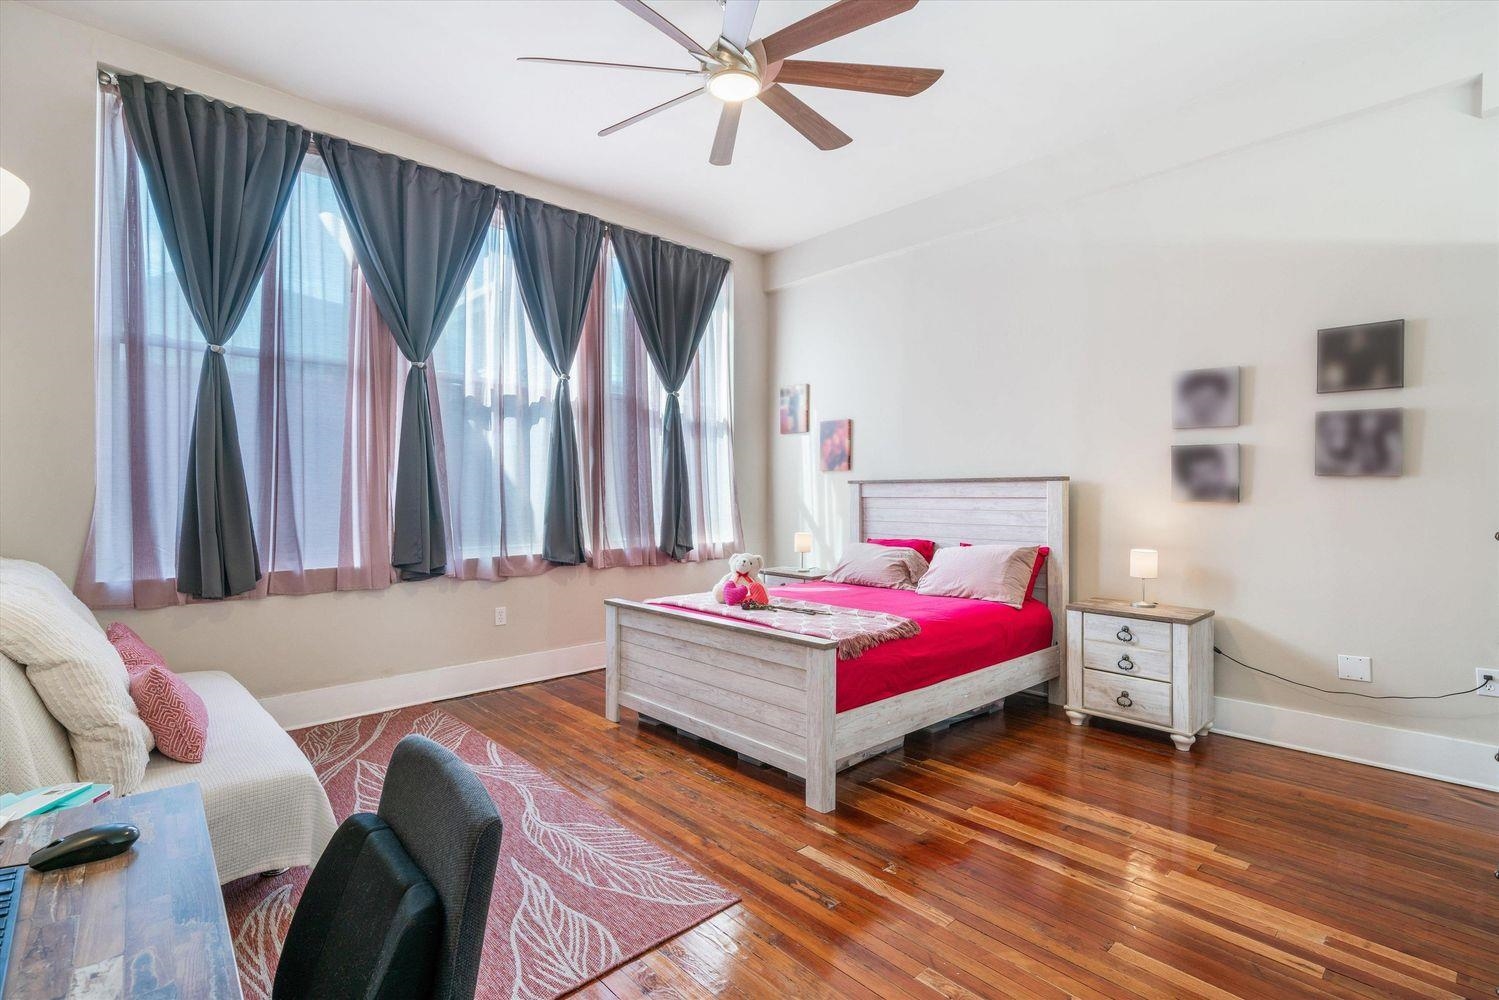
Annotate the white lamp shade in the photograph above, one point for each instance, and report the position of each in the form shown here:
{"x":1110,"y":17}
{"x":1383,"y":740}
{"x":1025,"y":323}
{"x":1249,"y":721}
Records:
{"x":802,"y":541}
{"x":1144,"y":564}
{"x":14,"y":196}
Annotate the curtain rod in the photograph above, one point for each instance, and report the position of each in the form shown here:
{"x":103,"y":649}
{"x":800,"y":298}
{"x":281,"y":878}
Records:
{"x":110,"y":77}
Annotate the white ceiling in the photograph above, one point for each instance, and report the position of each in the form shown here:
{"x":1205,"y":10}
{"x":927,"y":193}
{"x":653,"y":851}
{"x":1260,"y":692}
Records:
{"x":1024,"y":79}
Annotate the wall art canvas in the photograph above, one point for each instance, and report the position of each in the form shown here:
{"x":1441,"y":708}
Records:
{"x":836,"y":438}
{"x":1360,"y":443}
{"x":1368,"y":356}
{"x":795,"y":408}
{"x":1206,"y":397}
{"x":1205,"y":472}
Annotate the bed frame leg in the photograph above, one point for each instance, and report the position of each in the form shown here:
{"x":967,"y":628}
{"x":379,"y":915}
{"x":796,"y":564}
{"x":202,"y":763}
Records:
{"x":822,"y":766}
{"x":611,"y":663}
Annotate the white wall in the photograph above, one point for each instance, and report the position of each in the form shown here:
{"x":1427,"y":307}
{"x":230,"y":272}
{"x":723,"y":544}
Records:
{"x":1039,"y":335}
{"x":48,"y":96}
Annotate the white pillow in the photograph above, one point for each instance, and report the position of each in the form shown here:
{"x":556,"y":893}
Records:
{"x":76,"y":672}
{"x":996,"y":573}
{"x":878,"y":566}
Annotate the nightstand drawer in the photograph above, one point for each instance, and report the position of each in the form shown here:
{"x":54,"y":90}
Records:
{"x":1127,"y":697}
{"x":1135,"y":633}
{"x":1127,"y":660}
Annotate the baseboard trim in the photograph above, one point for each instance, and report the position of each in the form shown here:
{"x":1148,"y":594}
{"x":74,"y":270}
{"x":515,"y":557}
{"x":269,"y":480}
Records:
{"x":381,"y":694}
{"x":1445,"y":758}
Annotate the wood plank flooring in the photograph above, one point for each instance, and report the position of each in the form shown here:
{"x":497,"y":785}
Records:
{"x":1017,"y":856}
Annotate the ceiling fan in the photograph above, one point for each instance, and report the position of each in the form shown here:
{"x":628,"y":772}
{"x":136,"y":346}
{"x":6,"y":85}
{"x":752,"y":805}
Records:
{"x":735,"y":70}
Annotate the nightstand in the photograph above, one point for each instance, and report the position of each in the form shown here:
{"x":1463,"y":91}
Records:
{"x":1148,"y":666}
{"x":777,"y":575}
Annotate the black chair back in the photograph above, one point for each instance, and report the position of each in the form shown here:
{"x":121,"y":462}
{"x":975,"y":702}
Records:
{"x":397,"y":905}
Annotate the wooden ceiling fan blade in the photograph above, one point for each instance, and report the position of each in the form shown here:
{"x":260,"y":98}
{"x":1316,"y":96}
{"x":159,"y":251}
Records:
{"x":728,"y":131}
{"x":897,"y":81}
{"x":819,"y":131}
{"x":738,"y":20}
{"x":831,"y":22}
{"x":610,"y":65}
{"x":647,"y":14}
{"x":653,"y":111}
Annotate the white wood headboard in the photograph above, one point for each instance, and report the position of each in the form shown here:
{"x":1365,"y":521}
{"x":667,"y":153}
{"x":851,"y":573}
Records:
{"x":993,"y":511}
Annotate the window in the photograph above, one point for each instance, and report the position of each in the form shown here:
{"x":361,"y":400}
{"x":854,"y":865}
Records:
{"x":316,"y":379}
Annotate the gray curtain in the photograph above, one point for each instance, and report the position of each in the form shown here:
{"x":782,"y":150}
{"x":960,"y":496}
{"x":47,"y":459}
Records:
{"x":556,"y":253}
{"x":417,"y":232}
{"x":220,"y":179}
{"x":672,"y":292}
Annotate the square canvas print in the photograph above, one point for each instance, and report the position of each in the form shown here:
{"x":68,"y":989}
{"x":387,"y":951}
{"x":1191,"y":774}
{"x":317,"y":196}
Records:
{"x":1205,"y":472}
{"x":795,"y":407}
{"x":1361,"y":443}
{"x":837,"y":441}
{"x":1368,"y":356}
{"x":1206,"y":397}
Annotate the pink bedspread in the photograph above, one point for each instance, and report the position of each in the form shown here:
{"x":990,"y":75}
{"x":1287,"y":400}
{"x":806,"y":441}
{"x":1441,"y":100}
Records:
{"x":957,"y":637}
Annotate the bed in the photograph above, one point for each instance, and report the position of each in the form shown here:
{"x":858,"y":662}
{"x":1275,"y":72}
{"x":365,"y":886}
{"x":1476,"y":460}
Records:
{"x":776,"y":696}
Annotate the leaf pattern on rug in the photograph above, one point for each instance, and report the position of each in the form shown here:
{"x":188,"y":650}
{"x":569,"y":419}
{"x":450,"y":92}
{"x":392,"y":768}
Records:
{"x":554,"y":947}
{"x":440,"y":727}
{"x":369,"y":779}
{"x":611,"y":857}
{"x":257,"y":942}
{"x":518,"y":774}
{"x":325,"y":745}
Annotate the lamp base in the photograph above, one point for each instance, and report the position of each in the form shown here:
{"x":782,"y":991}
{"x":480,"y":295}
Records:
{"x":1143,"y":604}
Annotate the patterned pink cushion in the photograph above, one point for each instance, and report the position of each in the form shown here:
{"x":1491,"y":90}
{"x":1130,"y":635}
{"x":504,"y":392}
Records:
{"x":135,"y":651}
{"x":173,"y":712}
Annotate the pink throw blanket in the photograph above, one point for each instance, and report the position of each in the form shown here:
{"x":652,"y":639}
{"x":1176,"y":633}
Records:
{"x":854,"y":629}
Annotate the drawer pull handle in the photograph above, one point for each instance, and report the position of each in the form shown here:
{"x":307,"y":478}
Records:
{"x":1125,"y":663}
{"x":1123,"y":701}
{"x":1124,"y":634}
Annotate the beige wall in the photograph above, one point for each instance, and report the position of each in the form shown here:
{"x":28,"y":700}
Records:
{"x":283,"y":644}
{"x":1045,"y":343}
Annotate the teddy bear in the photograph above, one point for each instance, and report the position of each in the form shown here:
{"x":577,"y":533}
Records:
{"x":742,"y":582}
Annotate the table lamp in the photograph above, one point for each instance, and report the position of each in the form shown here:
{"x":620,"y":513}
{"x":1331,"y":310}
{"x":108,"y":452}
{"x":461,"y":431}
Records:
{"x":1144,"y":564}
{"x":802,"y":543}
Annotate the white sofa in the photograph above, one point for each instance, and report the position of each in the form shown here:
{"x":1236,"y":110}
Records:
{"x":266,"y":808}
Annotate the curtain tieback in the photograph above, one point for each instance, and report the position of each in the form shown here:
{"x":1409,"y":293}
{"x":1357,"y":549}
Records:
{"x":674,"y":392}
{"x":217,"y":348}
{"x":564,"y":378}
{"x":418,"y":364}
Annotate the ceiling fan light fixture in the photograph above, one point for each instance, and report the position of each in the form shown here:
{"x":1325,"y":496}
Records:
{"x":733,"y":85}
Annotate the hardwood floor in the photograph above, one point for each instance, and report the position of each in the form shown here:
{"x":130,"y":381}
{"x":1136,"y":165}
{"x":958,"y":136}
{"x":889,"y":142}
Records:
{"x":1017,"y":856}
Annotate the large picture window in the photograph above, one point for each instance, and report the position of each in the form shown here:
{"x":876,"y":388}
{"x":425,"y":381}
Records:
{"x":316,"y":379}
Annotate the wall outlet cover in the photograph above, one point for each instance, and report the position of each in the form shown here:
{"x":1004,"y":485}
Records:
{"x":1490,"y":690}
{"x":499,"y":616}
{"x":1354,"y":668}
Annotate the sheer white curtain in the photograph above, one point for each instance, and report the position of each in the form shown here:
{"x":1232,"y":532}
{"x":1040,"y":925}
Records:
{"x":622,"y":404}
{"x":297,"y":399}
{"x":493,"y":387}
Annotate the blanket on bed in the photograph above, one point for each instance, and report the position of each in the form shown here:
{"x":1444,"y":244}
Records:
{"x":855,"y":630}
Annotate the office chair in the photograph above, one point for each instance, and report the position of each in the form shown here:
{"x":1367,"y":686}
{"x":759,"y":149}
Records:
{"x":397,"y":904}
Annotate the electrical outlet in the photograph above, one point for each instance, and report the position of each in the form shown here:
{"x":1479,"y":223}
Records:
{"x":499,"y":616}
{"x":1354,"y":668}
{"x":1490,"y":689}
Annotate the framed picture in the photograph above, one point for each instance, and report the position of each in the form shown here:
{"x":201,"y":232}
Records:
{"x":836,"y":438}
{"x":1360,"y":443}
{"x":795,"y":407}
{"x":1206,"y":397}
{"x":1369,"y":356}
{"x":1205,"y":472}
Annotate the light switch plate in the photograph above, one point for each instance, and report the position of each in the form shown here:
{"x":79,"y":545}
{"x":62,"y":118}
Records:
{"x":1354,"y":668}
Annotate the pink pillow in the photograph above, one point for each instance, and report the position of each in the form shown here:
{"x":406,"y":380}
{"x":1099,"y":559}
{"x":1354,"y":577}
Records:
{"x":926,"y":548}
{"x":134,"y":651}
{"x":996,"y":573}
{"x":173,"y":712}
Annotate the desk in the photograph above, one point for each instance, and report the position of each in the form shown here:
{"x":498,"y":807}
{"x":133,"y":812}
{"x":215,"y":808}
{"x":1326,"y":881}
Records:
{"x":148,"y":923}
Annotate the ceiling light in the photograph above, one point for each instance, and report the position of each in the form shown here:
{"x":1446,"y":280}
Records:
{"x":14,"y":195}
{"x":733,"y":85}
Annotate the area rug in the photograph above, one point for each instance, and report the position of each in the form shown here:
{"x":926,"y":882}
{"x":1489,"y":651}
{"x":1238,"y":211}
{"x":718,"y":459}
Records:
{"x":576,"y":894}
